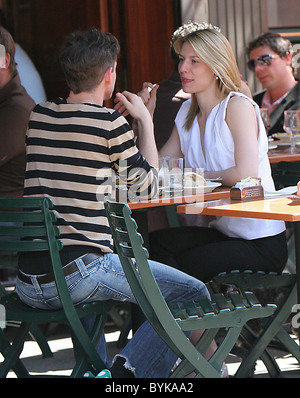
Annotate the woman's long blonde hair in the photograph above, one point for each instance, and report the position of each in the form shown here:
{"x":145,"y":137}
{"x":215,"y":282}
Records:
{"x":214,"y":49}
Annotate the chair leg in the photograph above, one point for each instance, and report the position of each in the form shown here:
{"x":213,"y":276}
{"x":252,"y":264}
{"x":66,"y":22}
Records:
{"x":250,"y":337}
{"x":11,"y":353}
{"x":35,"y":333}
{"x":289,"y":344}
{"x":39,"y":337}
{"x":270,"y":331}
{"x":85,"y":361}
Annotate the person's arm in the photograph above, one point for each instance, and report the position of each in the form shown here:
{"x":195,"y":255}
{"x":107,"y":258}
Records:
{"x":12,"y":133}
{"x":242,"y":122}
{"x":128,"y":103}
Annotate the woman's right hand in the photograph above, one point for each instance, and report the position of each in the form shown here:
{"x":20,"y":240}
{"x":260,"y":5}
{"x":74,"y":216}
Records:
{"x":148,"y":95}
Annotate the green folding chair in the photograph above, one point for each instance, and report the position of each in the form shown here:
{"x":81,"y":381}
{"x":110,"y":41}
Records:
{"x":10,"y":261}
{"x":39,"y":233}
{"x":171,"y":322}
{"x":257,"y":341}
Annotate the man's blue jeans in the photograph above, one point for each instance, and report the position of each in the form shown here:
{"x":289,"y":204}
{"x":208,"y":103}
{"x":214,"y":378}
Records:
{"x":146,"y":354}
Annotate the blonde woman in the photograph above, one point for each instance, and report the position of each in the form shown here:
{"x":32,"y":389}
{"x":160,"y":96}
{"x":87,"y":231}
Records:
{"x":218,"y":129}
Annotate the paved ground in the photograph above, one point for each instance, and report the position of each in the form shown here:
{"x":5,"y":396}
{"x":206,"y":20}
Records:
{"x":63,"y":358}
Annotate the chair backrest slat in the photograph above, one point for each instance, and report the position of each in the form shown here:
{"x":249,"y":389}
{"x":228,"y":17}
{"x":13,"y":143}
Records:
{"x":23,"y":216}
{"x":23,"y":246}
{"x":24,"y":225}
{"x":31,"y":231}
{"x":137,"y":270}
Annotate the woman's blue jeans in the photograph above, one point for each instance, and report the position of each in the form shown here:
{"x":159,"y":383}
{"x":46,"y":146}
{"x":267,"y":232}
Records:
{"x":146,"y":354}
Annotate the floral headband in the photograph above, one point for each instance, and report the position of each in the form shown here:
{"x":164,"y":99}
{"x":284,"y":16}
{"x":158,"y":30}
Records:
{"x":192,"y":27}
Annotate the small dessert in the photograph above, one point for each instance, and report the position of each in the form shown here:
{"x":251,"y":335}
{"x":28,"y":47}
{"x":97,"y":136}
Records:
{"x":192,"y":180}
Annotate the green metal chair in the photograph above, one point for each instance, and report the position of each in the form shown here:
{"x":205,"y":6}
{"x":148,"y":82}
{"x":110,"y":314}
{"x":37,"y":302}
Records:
{"x":259,"y":339}
{"x":10,"y":261}
{"x":39,"y":233}
{"x":170,"y":322}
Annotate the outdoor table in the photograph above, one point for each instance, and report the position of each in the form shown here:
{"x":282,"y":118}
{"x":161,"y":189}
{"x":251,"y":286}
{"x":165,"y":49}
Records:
{"x":140,"y":207}
{"x":280,"y":155}
{"x":276,"y":208}
{"x":218,"y":193}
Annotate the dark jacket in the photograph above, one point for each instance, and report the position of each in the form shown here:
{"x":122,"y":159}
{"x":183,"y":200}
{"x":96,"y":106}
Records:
{"x":15,"y":108}
{"x":290,"y":102}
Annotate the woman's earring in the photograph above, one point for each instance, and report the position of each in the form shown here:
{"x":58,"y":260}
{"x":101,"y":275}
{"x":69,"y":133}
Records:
{"x":217,"y":77}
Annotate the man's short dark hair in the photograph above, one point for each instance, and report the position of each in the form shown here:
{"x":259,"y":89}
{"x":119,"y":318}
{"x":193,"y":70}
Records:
{"x":277,"y":43}
{"x":86,"y":56}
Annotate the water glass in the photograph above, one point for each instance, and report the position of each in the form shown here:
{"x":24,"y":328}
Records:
{"x":291,"y":125}
{"x":175,"y":176}
{"x":163,"y":171}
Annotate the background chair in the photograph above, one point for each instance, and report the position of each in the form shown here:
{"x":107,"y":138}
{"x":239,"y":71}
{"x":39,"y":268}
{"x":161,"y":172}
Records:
{"x":39,"y":233}
{"x":171,"y":322}
{"x":9,"y":261}
{"x":257,"y":338}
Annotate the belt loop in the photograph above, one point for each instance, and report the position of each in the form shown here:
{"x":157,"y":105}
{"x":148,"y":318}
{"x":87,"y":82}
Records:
{"x":81,"y":267}
{"x":36,"y":285}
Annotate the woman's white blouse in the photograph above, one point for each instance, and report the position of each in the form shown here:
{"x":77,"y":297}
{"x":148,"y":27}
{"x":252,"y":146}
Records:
{"x":219,"y":155}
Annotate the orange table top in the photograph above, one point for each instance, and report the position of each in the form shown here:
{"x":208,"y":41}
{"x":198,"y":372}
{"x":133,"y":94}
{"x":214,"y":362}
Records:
{"x":278,"y":208}
{"x":218,"y":193}
{"x":280,"y":155}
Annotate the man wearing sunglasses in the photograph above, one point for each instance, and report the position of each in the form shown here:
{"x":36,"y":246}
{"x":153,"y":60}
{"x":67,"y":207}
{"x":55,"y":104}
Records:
{"x":270,"y":57}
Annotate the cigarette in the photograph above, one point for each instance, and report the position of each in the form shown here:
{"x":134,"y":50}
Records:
{"x":151,"y":88}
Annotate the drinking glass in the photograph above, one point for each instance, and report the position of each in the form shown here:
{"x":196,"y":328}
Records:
{"x":291,"y":125}
{"x":175,"y":187}
{"x":163,"y":171}
{"x":265,"y":118}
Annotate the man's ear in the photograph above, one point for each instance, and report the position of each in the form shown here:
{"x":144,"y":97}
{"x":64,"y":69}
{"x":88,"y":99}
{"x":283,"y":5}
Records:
{"x":289,"y":58}
{"x":107,"y":75}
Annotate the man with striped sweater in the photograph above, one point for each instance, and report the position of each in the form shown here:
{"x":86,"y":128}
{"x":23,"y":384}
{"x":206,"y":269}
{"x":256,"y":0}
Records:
{"x":74,"y":146}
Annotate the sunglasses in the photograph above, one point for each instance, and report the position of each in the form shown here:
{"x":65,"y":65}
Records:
{"x":264,"y":60}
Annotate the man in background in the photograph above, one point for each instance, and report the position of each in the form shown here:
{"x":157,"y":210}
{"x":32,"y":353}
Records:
{"x":270,"y":57}
{"x":15,"y":108}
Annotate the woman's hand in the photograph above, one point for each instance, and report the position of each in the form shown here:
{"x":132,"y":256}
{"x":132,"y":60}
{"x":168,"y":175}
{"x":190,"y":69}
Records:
{"x":148,"y":95}
{"x":130,"y":104}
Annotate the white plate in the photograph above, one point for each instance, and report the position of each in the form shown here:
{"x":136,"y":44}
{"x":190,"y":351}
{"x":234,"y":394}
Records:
{"x":272,"y":146}
{"x":285,"y":143}
{"x":209,"y":187}
{"x":285,"y":139}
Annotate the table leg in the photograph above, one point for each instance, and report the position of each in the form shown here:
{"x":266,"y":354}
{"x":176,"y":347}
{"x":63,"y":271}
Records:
{"x":297,"y":251}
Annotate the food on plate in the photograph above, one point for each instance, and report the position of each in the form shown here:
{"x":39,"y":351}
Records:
{"x":285,"y":137}
{"x":192,"y":179}
{"x":280,"y":135}
{"x":298,"y":188}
